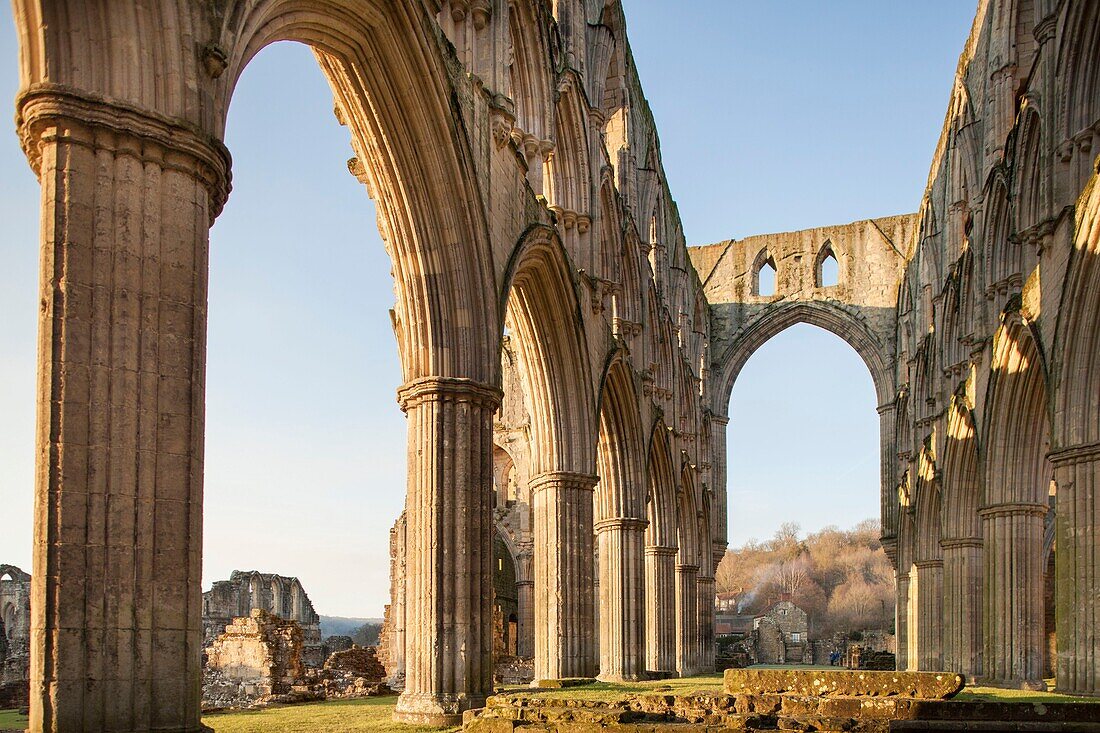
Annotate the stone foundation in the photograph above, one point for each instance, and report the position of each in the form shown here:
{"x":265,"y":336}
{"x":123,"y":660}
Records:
{"x":716,"y":712}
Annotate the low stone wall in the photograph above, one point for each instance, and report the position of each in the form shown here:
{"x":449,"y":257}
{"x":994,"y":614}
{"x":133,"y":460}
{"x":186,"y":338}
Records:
{"x":788,"y":700}
{"x":838,"y":682}
{"x":715,"y":712}
{"x":362,"y":661}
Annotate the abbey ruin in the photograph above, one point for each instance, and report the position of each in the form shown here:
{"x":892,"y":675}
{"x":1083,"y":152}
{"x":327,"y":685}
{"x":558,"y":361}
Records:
{"x":568,"y":360}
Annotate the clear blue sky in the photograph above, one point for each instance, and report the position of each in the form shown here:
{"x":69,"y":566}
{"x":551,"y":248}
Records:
{"x":773,"y":116}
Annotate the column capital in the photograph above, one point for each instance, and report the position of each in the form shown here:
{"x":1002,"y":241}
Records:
{"x":958,"y":543}
{"x":563,"y":479}
{"x":659,"y":551}
{"x":928,"y":564}
{"x":626,"y":524}
{"x":1013,"y":509}
{"x":686,"y":569}
{"x":452,"y":389}
{"x":1082,"y":453}
{"x":104,"y":124}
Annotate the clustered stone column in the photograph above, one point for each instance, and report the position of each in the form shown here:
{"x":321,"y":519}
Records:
{"x":962,"y":606}
{"x":706,"y":623}
{"x":926,"y":625}
{"x":448,"y":575}
{"x":1013,"y":611}
{"x":660,"y":602}
{"x":687,"y":619}
{"x":901,"y":621}
{"x":525,"y":600}
{"x":1077,"y":473}
{"x":564,"y":588}
{"x":622,"y":592}
{"x":127,"y":202}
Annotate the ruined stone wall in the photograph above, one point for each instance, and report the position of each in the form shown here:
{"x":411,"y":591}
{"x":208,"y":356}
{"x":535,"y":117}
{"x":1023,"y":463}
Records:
{"x":261,"y":650}
{"x":248,"y":590}
{"x":15,"y":635}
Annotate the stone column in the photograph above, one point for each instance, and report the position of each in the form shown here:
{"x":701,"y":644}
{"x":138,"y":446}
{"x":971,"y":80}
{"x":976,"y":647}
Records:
{"x":1077,"y":583}
{"x":705,"y":585}
{"x":962,"y":606}
{"x":901,"y":622}
{"x":622,"y":598}
{"x":448,"y":549}
{"x":888,"y":461}
{"x":127,"y":202}
{"x":926,"y":634}
{"x":525,"y":592}
{"x":719,"y":425}
{"x":1013,"y":597}
{"x":564,"y":583}
{"x":660,"y":615}
{"x":687,"y":619}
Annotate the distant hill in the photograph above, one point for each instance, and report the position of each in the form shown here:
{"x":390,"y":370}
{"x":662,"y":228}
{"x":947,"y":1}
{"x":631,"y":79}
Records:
{"x":343,"y":626}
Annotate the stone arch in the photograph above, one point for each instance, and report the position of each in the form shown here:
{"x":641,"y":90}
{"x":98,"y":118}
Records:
{"x":256,"y":592}
{"x":621,"y":491}
{"x":962,"y":542}
{"x":620,"y":524}
{"x":299,"y":605}
{"x":504,"y":467}
{"x":569,"y":166}
{"x":1002,"y":264}
{"x":832,"y":318}
{"x":140,"y":96}
{"x":1028,"y":176}
{"x":277,"y":597}
{"x":1017,"y":480}
{"x":661,"y":549}
{"x":541,"y":304}
{"x":1079,"y":73}
{"x":608,"y":258}
{"x":530,"y":74}
{"x":505,"y":596}
{"x":687,"y":573}
{"x":542,"y":310}
{"x":926,"y":572}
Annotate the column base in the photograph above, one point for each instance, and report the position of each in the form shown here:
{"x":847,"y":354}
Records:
{"x":435,"y":710}
{"x":1029,"y":685}
{"x":622,"y":677}
{"x":557,"y":683}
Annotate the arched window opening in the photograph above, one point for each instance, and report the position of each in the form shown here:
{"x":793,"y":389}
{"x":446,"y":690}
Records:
{"x":827,"y":269}
{"x":764,"y":278}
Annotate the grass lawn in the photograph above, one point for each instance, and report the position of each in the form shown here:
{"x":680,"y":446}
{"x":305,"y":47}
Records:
{"x":346,"y":716}
{"x":12,"y":720}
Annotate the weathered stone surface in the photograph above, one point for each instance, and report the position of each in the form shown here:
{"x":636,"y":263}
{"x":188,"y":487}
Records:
{"x":923,"y":685}
{"x":514,"y":189}
{"x":361,"y":661}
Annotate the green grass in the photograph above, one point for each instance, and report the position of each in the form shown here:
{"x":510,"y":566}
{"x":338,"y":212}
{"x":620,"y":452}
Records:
{"x":997,"y":694}
{"x":12,"y":720}
{"x":348,"y":716}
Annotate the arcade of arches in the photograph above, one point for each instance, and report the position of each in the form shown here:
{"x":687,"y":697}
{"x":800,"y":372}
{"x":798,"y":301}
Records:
{"x":567,"y":358}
